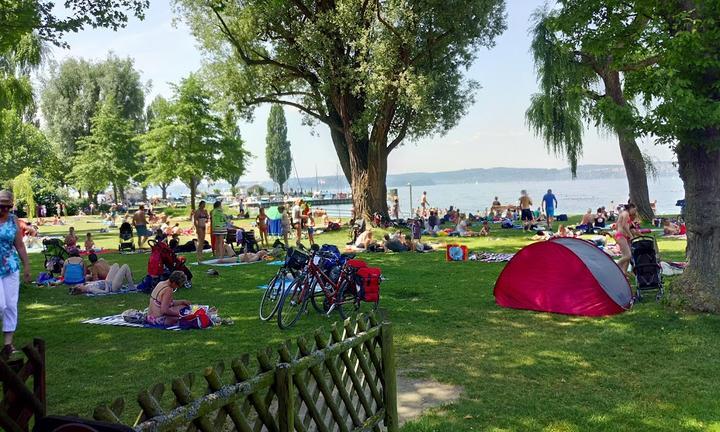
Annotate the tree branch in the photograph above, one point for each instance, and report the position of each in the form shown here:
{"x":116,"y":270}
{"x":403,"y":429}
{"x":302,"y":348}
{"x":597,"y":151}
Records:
{"x":401,"y":135}
{"x":306,"y":110}
{"x":642,"y":64}
{"x":594,"y":95}
{"x":384,"y":22}
{"x":264,"y":60}
{"x":304,"y":9}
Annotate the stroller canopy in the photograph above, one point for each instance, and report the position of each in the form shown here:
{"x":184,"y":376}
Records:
{"x":563,"y":275}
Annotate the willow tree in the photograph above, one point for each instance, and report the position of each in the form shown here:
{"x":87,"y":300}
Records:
{"x":375,"y":72}
{"x":23,"y":190}
{"x":580,"y":82}
{"x":671,"y":58}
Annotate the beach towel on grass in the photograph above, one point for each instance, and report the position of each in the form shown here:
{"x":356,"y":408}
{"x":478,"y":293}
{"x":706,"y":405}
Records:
{"x":491,"y":257}
{"x":123,"y":290}
{"x":119,"y":321}
{"x":675,"y":236}
{"x":215,"y":263}
{"x":288,"y":281}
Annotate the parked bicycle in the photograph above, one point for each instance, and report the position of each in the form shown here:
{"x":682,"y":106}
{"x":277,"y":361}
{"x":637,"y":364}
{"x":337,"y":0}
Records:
{"x":295,"y":262}
{"x":341,"y":288}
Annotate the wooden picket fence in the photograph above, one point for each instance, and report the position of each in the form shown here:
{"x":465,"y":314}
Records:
{"x":344,"y":382}
{"x":22,"y":402}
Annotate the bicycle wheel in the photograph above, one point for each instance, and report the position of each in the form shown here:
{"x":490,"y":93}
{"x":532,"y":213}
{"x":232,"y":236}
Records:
{"x":292,"y":304}
{"x":271,"y":298}
{"x":318,"y":299}
{"x":349,"y":304}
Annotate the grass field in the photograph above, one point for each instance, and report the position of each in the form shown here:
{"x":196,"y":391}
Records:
{"x":650,"y":369}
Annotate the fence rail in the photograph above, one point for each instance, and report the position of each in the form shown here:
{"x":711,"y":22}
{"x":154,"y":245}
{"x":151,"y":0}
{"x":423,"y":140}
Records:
{"x":341,"y":382}
{"x":22,"y":402}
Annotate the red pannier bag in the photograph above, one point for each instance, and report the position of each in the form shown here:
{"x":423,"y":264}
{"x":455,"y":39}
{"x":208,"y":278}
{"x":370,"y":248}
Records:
{"x":356,"y":263}
{"x":368,"y":278}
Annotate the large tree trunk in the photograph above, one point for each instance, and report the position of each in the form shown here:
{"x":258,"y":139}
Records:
{"x":363,"y":157}
{"x":115,"y":193}
{"x":629,"y":150}
{"x":163,"y":188}
{"x":636,"y":173}
{"x":699,"y":286}
{"x":368,"y":172}
{"x":193,"y":184}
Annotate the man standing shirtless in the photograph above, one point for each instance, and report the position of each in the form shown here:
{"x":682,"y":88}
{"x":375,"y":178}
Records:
{"x":139,"y":221}
{"x":526,"y":209}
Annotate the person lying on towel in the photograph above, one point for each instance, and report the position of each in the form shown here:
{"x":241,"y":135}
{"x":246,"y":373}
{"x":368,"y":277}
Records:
{"x":163,"y":309}
{"x":245,"y":257}
{"x":118,"y":276}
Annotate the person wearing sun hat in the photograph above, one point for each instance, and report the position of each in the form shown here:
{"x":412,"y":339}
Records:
{"x":12,"y":253}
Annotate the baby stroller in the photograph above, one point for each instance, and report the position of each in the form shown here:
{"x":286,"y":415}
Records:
{"x":55,"y":255}
{"x":646,"y":267}
{"x":127,"y":242}
{"x":161,"y":263}
{"x":246,"y":241}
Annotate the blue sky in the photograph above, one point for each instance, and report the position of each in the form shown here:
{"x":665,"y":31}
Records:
{"x":492,"y":134}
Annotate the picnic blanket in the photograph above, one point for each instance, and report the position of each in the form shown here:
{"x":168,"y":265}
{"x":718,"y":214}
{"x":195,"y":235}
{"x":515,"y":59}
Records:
{"x":676,"y":236}
{"x":491,"y":257}
{"x":123,"y":290}
{"x":288,"y":281}
{"x":119,"y":321}
{"x":215,"y":263}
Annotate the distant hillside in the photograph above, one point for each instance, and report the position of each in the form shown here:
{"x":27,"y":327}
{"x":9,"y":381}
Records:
{"x":479,"y":175}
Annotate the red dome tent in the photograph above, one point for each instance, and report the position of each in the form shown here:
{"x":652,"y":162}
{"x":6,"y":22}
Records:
{"x":563,"y":275}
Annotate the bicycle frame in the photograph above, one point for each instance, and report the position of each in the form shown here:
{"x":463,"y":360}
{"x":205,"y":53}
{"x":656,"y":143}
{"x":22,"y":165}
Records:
{"x":317,"y":277}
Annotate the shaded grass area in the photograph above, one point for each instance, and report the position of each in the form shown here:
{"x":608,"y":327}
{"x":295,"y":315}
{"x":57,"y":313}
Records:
{"x":651,"y":369}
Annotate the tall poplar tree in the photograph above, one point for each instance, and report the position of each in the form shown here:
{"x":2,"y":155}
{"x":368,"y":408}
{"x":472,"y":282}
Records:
{"x":277,"y":151}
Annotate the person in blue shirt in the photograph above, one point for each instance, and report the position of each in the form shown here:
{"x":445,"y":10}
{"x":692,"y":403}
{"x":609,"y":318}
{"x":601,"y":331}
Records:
{"x":549,"y":204}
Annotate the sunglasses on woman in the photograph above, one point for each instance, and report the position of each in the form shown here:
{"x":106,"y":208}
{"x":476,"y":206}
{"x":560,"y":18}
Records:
{"x":5,"y":207}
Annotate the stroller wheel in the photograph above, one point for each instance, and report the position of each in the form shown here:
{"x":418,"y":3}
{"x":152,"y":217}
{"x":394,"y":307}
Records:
{"x":638,"y":297}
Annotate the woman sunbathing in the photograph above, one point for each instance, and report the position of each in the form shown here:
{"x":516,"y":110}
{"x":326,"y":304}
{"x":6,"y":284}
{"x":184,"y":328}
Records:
{"x":163,"y":309}
{"x":117,"y":277}
{"x":247,"y":257}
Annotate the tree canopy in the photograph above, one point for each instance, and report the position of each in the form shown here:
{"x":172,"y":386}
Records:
{"x":187,"y":140}
{"x":108,"y":156}
{"x":277,"y":147}
{"x":75,"y":90}
{"x":19,"y":18}
{"x":579,"y":82}
{"x":669,"y":55}
{"x":373,"y":72}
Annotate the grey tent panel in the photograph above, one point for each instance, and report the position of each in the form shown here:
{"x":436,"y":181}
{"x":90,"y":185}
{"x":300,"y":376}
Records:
{"x":602,"y":267}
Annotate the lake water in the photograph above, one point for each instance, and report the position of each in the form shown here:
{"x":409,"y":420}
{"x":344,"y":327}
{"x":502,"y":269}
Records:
{"x":574,"y":196}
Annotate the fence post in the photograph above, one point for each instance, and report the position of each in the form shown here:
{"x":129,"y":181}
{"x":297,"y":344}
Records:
{"x":39,"y":381}
{"x":286,"y":402}
{"x":389,"y":376}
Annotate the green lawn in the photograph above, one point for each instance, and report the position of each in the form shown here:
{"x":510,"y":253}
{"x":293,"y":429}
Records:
{"x":650,"y":369}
